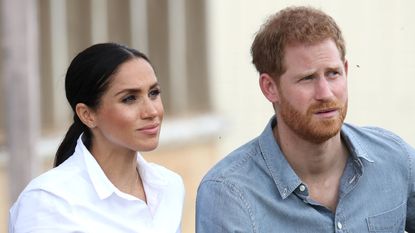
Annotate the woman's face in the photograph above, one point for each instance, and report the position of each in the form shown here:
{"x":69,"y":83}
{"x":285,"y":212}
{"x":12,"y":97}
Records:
{"x":131,"y":111}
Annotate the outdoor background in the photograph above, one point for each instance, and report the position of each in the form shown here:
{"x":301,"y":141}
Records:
{"x":201,"y":52}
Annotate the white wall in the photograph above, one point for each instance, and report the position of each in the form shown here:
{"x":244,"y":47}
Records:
{"x":379,"y":38}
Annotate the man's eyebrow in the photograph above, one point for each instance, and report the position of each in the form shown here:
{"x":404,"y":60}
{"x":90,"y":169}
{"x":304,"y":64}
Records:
{"x":305,"y":73}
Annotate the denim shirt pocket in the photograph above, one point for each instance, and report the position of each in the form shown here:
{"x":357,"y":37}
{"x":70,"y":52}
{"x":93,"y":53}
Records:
{"x":390,"y":221}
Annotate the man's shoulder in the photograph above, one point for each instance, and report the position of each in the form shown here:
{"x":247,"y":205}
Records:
{"x":377,"y":143}
{"x":235,"y":163}
{"x":370,"y":134}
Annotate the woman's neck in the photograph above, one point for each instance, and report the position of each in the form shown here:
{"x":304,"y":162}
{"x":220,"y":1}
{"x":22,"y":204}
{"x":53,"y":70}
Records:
{"x":121,"y":168}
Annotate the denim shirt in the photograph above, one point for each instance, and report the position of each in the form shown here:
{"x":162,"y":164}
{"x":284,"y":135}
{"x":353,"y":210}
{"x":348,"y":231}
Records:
{"x":254,"y":189}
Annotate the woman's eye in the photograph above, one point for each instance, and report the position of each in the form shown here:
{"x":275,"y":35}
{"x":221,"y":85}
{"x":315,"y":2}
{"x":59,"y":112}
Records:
{"x":129,"y":99}
{"x":154,"y":93}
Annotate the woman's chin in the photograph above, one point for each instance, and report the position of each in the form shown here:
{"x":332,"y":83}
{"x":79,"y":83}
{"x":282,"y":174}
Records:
{"x":147,"y":147}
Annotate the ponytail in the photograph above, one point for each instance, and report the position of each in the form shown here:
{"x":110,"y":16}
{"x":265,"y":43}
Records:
{"x":68,"y":144}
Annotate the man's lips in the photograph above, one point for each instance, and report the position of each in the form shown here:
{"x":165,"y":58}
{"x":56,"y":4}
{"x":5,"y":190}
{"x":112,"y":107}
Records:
{"x":329,"y":112}
{"x":326,"y":110}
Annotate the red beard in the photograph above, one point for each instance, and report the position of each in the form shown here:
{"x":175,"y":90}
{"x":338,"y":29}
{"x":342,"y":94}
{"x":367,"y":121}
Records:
{"x":307,"y":126}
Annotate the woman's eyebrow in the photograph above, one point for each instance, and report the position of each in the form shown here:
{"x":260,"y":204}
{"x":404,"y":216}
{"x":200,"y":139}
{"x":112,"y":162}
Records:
{"x":128,"y":90}
{"x":135,"y":90}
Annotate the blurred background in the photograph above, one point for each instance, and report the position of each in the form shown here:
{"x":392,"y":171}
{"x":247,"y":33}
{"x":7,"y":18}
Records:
{"x":200,"y":50}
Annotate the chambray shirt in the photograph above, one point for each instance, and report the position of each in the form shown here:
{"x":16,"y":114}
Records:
{"x":254,"y":189}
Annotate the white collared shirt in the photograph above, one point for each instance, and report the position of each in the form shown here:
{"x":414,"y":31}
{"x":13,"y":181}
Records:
{"x":77,"y":197}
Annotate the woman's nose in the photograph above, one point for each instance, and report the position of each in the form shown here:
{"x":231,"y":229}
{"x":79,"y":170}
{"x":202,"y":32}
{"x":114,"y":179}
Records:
{"x":148,"y":109}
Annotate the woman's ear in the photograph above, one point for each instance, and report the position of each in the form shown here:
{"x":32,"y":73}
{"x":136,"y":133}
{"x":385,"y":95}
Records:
{"x":269,"y":87}
{"x":86,"y":115}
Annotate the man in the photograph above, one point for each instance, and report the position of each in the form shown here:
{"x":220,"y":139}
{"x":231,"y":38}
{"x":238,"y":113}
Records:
{"x":308,"y":171}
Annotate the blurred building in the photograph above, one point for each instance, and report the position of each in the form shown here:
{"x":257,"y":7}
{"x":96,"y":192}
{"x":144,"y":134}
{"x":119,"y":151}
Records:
{"x":200,"y":50}
{"x":171,"y":33}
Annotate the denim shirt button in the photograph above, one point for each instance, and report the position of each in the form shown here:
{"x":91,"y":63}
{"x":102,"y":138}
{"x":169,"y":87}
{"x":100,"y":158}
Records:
{"x":339,"y":225}
{"x":302,"y":188}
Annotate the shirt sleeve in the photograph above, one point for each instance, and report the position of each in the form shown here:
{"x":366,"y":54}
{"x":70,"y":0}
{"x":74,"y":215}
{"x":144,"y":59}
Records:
{"x":41,"y":211}
{"x":410,"y":215}
{"x":221,"y":207}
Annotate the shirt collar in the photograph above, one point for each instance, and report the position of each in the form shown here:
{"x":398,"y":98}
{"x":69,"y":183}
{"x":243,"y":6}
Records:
{"x":104,"y":187}
{"x":99,"y":180}
{"x":281,"y":171}
{"x":283,"y":175}
{"x":353,"y":144}
{"x":150,"y":175}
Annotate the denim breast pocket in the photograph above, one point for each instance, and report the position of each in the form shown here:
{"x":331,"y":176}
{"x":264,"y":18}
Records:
{"x":391,"y":221}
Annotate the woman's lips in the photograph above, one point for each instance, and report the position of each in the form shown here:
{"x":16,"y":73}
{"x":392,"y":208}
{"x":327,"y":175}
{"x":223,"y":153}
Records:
{"x":150,"y":129}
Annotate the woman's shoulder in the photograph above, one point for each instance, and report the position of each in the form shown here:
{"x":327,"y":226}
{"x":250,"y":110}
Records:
{"x":45,"y":200}
{"x":159,"y":175}
{"x":165,"y":173}
{"x":57,"y":180}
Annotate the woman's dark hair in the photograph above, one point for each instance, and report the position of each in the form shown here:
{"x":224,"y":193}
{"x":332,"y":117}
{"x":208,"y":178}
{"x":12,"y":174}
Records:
{"x":87,"y":79}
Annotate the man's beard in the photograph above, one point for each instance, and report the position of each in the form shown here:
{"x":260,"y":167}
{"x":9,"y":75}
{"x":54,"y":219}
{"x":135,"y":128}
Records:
{"x":307,"y":126}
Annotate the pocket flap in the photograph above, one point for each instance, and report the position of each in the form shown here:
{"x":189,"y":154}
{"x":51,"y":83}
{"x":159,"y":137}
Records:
{"x":387,"y":221}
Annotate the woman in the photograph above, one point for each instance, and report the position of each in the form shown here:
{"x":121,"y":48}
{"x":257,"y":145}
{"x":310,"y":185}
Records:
{"x":100,"y":182}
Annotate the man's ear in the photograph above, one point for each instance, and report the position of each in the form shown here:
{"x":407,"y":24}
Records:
{"x":269,"y":87}
{"x":86,"y":115}
{"x":346,"y":67}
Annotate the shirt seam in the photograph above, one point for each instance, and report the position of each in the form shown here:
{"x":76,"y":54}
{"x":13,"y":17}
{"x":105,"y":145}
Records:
{"x":404,"y":149}
{"x":233,"y":188}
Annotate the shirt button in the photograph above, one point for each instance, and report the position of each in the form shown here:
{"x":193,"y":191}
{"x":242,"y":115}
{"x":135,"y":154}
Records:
{"x":302,"y":188}
{"x":339,"y":225}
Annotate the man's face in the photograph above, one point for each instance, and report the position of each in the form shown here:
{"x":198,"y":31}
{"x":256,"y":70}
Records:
{"x":313,"y":91}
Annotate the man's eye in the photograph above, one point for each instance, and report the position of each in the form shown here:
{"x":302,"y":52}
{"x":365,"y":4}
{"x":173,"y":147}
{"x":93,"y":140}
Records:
{"x":333,"y":74}
{"x":310,"y":77}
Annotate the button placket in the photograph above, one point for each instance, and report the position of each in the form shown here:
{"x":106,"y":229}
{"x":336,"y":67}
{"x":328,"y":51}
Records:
{"x":339,"y":225}
{"x":302,"y":188}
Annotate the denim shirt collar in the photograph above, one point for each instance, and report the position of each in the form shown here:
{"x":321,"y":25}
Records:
{"x":281,"y":171}
{"x":356,"y":149}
